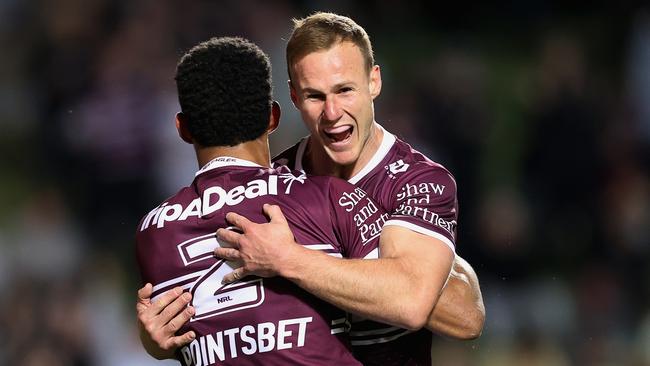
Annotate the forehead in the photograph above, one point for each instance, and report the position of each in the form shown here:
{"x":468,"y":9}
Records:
{"x":341,"y":63}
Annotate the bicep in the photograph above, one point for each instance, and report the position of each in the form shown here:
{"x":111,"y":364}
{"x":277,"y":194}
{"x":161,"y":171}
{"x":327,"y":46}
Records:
{"x":423,"y":254}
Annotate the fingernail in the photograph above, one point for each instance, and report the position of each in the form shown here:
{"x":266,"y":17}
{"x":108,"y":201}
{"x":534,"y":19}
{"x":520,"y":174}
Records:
{"x":187,"y":296}
{"x":178,"y":290}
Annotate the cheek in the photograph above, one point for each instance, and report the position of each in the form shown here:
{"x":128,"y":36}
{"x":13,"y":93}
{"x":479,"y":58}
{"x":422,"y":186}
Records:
{"x":310,"y":119}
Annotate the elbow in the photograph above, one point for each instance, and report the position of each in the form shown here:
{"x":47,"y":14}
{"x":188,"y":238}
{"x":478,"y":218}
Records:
{"x":473,"y":327}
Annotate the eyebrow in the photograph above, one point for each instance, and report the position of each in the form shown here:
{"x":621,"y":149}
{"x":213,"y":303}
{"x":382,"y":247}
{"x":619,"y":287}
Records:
{"x":335,"y":87}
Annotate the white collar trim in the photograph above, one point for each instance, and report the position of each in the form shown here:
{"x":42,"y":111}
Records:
{"x":222,"y":161}
{"x":386,"y":143}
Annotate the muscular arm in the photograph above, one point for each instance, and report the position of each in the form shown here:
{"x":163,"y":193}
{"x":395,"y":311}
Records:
{"x":459,"y":313}
{"x":400,"y":288}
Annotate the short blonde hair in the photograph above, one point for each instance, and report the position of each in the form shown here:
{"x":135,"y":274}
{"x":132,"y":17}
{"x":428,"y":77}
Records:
{"x":320,"y":31}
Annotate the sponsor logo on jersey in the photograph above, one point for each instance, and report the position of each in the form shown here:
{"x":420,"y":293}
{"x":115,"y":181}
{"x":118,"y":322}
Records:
{"x":396,"y":167}
{"x":350,"y":200}
{"x":248,"y":340}
{"x":213,"y":199}
{"x":420,"y":189}
{"x":368,"y":224}
{"x":427,"y":215}
{"x":414,"y":201}
{"x":289,"y":179}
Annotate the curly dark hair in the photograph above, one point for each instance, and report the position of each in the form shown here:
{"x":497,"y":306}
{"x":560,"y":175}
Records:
{"x":224,"y":89}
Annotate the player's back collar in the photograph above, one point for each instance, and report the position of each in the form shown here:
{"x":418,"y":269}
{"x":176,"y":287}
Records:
{"x":222,"y":161}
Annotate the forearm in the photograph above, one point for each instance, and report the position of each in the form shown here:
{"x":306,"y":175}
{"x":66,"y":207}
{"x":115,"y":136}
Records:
{"x":459,"y":312}
{"x":382,"y":289}
{"x":401,"y":288}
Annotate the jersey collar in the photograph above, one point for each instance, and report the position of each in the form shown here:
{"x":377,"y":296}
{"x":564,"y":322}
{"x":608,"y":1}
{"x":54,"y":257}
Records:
{"x":222,"y":161}
{"x":387,"y":142}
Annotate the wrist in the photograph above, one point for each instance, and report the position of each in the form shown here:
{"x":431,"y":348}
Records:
{"x":293,"y":266}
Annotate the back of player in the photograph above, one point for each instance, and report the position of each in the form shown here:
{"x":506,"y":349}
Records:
{"x":256,"y":321}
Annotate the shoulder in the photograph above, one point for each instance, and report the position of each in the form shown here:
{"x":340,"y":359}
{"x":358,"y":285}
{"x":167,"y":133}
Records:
{"x":408,"y":164}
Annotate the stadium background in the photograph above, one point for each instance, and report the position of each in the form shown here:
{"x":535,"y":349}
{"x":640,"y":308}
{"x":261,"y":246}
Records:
{"x":541,"y":111}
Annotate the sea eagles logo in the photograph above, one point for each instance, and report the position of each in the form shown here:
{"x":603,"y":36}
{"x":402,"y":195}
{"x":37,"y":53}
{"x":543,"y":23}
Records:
{"x":396,"y":167}
{"x":288,"y":179}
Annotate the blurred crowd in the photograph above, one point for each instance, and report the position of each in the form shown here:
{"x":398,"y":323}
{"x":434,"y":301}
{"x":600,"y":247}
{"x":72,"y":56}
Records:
{"x":541,"y":111}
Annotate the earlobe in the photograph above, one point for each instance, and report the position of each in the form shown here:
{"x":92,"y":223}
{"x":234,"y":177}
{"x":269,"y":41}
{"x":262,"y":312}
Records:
{"x":181,"y":127}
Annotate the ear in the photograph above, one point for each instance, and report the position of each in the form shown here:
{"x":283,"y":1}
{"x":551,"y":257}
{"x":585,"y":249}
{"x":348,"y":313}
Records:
{"x":181,"y":127}
{"x":374,"y":83}
{"x":274,"y":118}
{"x":294,"y":95}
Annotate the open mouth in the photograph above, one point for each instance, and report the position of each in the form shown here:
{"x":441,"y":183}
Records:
{"x":338,"y":134}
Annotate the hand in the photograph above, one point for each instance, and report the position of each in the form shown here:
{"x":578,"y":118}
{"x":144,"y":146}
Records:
{"x":263,"y":250}
{"x":158,"y":321}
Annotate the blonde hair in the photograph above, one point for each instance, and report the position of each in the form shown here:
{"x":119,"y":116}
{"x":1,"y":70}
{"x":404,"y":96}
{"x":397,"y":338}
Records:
{"x":320,"y":31}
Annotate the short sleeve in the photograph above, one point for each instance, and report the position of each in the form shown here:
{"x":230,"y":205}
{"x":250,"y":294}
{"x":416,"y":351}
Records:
{"x":357,"y":219}
{"x":425,"y":202}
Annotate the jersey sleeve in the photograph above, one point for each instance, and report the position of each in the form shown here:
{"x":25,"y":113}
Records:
{"x":357,"y":219}
{"x":425,"y":202}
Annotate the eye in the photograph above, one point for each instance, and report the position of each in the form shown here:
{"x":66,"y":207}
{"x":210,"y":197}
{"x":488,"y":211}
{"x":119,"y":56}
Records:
{"x":315,"y":96}
{"x":345,"y":89}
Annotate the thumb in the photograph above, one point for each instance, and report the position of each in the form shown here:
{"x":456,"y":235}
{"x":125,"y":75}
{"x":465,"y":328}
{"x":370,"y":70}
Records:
{"x":144,"y":294}
{"x":144,"y":298}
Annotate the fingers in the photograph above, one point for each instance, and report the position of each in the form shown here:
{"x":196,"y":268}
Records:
{"x":228,"y":254}
{"x":180,"y":341}
{"x":238,"y":220}
{"x":181,"y":318}
{"x":145,"y":292}
{"x":174,"y":308}
{"x":228,"y":238}
{"x":161,"y":303}
{"x":233,"y":276}
{"x":274,"y":213}
{"x":144,"y":298}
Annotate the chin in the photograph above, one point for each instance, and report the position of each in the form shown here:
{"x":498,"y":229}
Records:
{"x":343,"y":158}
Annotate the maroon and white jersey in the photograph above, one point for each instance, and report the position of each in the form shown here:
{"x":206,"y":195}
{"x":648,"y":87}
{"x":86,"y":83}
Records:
{"x":256,"y":321}
{"x":418,"y":194}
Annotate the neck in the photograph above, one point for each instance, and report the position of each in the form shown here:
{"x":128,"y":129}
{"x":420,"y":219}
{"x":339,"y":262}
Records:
{"x":256,"y":151}
{"x":317,"y":162}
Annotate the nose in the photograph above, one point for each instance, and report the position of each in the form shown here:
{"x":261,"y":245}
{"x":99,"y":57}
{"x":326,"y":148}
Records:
{"x":331,"y":110}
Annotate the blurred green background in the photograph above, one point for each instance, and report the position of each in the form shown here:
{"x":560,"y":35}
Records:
{"x":540,"y":109}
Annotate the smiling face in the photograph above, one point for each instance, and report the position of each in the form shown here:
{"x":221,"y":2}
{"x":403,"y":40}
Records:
{"x":334,"y":91}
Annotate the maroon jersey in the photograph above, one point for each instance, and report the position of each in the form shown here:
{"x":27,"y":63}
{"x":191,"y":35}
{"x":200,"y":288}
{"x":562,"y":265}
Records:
{"x":256,"y":321}
{"x":418,"y":194}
